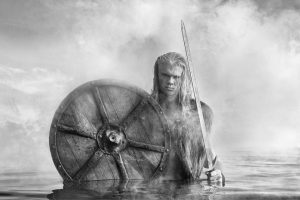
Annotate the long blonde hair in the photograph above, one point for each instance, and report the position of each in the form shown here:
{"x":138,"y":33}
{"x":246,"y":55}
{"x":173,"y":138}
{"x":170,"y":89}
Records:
{"x":174,"y":59}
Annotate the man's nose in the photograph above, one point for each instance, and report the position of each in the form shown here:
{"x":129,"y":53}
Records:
{"x":171,"y":80}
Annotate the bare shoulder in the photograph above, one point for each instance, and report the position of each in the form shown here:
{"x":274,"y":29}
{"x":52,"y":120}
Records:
{"x":206,"y":109}
{"x":207,"y":113}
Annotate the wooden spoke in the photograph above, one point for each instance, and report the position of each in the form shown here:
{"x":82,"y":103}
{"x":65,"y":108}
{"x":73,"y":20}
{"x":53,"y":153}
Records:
{"x":132,"y":116}
{"x":149,"y":147}
{"x":121,"y":166}
{"x":100,"y":105}
{"x":92,"y":161}
{"x":77,"y":131}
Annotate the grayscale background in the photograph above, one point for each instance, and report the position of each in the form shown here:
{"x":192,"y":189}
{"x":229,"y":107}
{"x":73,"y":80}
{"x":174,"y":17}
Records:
{"x":246,"y":54}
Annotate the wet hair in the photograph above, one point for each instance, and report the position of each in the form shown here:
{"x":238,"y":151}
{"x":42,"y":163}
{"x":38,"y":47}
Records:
{"x":174,"y":59}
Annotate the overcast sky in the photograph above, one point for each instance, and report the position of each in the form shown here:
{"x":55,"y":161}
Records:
{"x":246,"y":54}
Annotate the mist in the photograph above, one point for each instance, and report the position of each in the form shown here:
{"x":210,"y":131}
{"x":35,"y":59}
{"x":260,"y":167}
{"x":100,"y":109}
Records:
{"x":246,"y":55}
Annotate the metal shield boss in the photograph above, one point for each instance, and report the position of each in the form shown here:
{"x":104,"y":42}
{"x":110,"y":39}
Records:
{"x":109,"y":130}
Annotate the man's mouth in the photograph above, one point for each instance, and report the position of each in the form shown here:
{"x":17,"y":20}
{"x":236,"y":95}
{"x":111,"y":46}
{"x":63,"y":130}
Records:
{"x":170,"y":88}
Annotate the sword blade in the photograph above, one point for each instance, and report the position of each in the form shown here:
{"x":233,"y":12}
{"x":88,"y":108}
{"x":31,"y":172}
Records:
{"x":194,"y":85}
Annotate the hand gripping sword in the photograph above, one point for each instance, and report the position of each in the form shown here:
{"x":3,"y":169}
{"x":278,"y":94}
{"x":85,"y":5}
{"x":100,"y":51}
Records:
{"x":194,"y":84}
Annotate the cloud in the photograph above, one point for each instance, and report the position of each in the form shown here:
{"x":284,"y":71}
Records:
{"x":32,"y":81}
{"x":28,"y":100}
{"x":254,"y":77}
{"x":246,"y":55}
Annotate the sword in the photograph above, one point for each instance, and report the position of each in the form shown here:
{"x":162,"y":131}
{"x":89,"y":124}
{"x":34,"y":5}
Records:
{"x":194,"y":84}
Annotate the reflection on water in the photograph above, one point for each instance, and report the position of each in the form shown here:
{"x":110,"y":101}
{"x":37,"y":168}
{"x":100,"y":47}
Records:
{"x":249,"y":176}
{"x":133,"y":190}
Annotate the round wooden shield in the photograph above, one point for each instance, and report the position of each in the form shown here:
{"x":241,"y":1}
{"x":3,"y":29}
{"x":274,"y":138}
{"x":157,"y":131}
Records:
{"x":109,"y":130}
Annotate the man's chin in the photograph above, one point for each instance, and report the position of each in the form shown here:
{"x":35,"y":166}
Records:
{"x":170,"y":93}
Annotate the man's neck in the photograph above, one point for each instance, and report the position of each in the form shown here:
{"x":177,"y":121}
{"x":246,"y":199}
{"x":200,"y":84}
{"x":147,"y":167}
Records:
{"x":167,"y":101}
{"x":170,"y":105}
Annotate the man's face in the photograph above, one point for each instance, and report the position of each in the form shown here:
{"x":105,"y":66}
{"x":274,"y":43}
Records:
{"x":169,"y":79}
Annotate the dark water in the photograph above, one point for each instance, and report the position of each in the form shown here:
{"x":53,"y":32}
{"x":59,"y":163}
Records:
{"x":249,"y":175}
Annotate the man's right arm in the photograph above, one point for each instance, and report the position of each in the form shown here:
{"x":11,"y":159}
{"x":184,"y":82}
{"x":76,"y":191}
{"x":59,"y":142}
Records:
{"x":215,"y":173}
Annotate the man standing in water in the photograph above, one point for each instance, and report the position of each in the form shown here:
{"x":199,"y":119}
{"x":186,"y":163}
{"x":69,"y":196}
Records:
{"x":171,"y":89}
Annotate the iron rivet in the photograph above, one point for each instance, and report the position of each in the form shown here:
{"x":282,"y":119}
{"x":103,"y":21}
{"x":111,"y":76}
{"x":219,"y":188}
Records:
{"x":167,"y":150}
{"x":161,"y":168}
{"x":59,"y":166}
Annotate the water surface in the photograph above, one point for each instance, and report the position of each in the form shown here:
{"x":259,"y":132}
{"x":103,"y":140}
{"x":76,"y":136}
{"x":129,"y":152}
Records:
{"x":249,"y":175}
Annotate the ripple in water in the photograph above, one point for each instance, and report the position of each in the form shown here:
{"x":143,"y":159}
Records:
{"x":249,"y":175}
